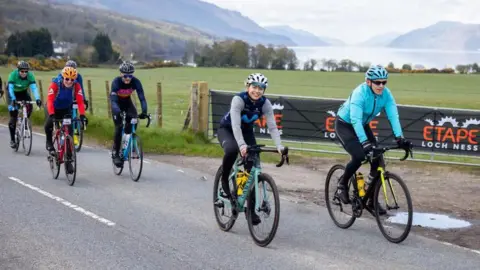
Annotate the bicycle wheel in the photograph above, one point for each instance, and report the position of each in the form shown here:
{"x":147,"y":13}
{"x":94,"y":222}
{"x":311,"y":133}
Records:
{"x":332,"y":199}
{"x":265,"y":209}
{"x":69,"y":156}
{"x":17,"y":137}
{"x":135,"y":153}
{"x":54,"y":162}
{"x":78,"y":131}
{"x":27,"y":134}
{"x":116,"y":170}
{"x":390,"y":179}
{"x":220,"y":210}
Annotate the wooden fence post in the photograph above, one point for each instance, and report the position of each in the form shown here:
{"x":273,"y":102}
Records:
{"x":90,"y":98}
{"x":203,"y":107}
{"x":194,"y":108}
{"x":107,"y":91}
{"x":159,"y":105}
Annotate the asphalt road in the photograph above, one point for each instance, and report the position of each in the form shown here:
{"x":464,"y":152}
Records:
{"x":166,"y":221}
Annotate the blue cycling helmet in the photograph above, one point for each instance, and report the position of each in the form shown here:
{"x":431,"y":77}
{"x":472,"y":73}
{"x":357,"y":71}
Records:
{"x":376,"y":72}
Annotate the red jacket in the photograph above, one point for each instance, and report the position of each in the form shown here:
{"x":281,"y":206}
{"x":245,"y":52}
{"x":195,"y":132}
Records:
{"x":60,"y":97}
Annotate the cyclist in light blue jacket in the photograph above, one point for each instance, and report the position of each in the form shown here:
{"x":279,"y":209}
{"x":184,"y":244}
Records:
{"x":352,"y":125}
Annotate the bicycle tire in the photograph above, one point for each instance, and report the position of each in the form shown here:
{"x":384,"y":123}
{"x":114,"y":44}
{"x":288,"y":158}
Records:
{"x":328,"y":201}
{"x":389,"y":175}
{"x":70,"y":144}
{"x":116,"y":170}
{"x":263,"y":177}
{"x":29,"y":125}
{"x":227,"y":226}
{"x":54,"y":163}
{"x":17,"y":138}
{"x":135,"y":140}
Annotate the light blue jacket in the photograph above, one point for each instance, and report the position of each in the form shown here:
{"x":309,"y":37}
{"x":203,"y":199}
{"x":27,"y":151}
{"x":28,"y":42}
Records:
{"x":363,"y":105}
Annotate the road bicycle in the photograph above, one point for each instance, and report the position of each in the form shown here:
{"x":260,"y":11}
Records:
{"x":244,"y":183}
{"x":23,"y":130}
{"x":383,"y":180}
{"x":131,"y":148}
{"x":64,"y":152}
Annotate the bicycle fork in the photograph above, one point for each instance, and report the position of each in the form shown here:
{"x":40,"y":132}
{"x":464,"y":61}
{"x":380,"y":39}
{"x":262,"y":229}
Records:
{"x":381,"y":172}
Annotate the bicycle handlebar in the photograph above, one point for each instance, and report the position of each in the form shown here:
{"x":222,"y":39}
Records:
{"x":257,"y":148}
{"x":377,"y":152}
{"x":24,"y":102}
{"x":149,"y":117}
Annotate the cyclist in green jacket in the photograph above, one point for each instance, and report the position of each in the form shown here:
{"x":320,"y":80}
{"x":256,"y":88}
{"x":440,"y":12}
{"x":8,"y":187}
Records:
{"x":18,"y":83}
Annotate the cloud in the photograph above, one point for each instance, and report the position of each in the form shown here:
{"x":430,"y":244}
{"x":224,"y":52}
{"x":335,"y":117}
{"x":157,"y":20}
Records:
{"x":354,"y":20}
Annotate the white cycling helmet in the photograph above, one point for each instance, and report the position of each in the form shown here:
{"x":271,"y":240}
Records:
{"x":257,"y":78}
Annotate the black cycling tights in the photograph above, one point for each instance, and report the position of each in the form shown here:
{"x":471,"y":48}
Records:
{"x":231,"y":150}
{"x":347,"y":136}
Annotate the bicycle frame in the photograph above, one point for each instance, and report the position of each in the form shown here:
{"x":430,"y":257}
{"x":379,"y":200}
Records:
{"x":133,"y":131}
{"x":253,"y":177}
{"x":61,"y":129}
{"x":379,"y":177}
{"x":133,"y":121}
{"x":21,"y":120}
{"x":255,"y":171}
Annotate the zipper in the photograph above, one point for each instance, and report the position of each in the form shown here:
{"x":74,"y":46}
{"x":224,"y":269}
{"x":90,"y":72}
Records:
{"x":373,"y":110}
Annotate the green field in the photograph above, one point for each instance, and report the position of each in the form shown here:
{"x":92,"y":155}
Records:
{"x":444,"y":90}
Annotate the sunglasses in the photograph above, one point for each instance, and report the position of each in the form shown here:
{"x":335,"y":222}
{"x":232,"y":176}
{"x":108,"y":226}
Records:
{"x":262,"y":86}
{"x":23,"y":71}
{"x":379,"y":82}
{"x":127,"y":76}
{"x":68,"y":79}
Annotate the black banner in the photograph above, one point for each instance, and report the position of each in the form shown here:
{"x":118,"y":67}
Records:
{"x":312,"y":120}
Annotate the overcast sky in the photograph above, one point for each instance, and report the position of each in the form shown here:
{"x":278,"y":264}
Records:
{"x":354,"y":20}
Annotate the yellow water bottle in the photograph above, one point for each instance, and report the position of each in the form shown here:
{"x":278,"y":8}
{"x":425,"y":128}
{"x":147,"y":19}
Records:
{"x":360,"y":184}
{"x":241,"y":180}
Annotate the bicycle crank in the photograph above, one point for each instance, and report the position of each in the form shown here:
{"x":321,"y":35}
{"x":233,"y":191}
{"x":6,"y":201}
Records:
{"x":357,"y":207}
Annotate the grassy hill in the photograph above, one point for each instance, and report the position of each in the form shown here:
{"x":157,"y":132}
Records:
{"x":205,"y":16}
{"x":79,"y":24}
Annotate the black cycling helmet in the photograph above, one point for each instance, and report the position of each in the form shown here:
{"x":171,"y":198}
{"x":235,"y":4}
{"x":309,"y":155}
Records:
{"x":23,"y":65}
{"x":127,"y":67}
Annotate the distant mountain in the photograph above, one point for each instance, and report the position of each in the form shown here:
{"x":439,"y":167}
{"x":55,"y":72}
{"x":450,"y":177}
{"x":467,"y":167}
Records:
{"x":381,"y":40}
{"x":302,"y":37}
{"x":204,"y":16}
{"x":80,"y":25}
{"x":444,"y":35}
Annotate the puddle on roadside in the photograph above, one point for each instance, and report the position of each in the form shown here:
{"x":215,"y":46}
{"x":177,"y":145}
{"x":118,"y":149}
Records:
{"x":435,"y":221}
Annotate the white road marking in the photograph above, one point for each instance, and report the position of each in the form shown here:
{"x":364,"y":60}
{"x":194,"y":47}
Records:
{"x":64,"y":202}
